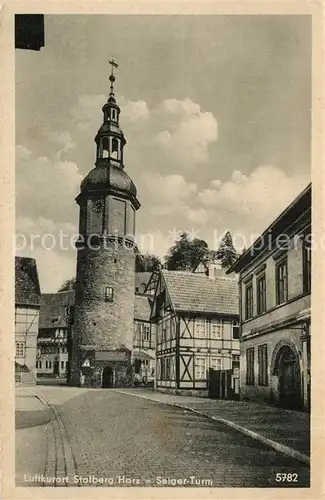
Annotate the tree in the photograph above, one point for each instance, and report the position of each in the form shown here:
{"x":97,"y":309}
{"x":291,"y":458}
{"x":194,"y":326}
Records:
{"x":186,"y":254}
{"x":68,"y":285}
{"x":227,"y":252}
{"x":146,"y":262}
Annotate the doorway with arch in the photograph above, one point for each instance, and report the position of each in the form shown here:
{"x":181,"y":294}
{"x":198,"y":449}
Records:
{"x":287,"y":368}
{"x":107,"y":377}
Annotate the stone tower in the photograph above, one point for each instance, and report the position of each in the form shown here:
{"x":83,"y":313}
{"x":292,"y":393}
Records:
{"x":102,"y":333}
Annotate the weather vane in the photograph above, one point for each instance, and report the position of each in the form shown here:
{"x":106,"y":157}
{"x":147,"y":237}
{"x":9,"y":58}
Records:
{"x":112,"y":77}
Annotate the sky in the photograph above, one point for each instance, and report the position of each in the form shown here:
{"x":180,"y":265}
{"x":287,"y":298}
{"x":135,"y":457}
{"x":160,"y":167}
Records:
{"x":216,"y":111}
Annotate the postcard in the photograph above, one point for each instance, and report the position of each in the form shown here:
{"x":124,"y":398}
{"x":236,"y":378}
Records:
{"x":162,"y":250}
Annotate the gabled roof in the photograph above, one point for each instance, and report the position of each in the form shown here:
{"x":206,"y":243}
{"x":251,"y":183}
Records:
{"x":197,"y":293}
{"x":27,"y":288}
{"x":141,"y":307}
{"x":53,"y":309}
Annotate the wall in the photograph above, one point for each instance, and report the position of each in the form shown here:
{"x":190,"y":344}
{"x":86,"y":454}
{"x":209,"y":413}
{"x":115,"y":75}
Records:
{"x":269,"y":393}
{"x":295,"y":288}
{"x":279,"y":324}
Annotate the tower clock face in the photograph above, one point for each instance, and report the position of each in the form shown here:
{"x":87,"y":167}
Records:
{"x":97,"y":206}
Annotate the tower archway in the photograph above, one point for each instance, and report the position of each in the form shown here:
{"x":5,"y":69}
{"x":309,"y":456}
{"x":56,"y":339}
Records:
{"x":107,"y":378}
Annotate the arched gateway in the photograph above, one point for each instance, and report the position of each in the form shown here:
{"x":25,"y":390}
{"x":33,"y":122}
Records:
{"x":108,"y":378}
{"x":286,"y":367}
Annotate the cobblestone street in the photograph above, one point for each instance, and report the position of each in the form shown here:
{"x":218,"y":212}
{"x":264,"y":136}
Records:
{"x":134,"y":442}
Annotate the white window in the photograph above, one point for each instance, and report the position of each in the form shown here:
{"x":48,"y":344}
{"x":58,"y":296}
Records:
{"x":48,"y":365}
{"x":216,"y":363}
{"x":200,"y":328}
{"x":216,"y":330}
{"x":39,"y":364}
{"x":200,"y":368}
{"x":20,"y":349}
{"x":146,"y":332}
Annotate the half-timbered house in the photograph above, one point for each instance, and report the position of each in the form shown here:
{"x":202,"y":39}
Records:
{"x":197,"y":328}
{"x":27,"y":305}
{"x":52,"y":341}
{"x":144,"y":341}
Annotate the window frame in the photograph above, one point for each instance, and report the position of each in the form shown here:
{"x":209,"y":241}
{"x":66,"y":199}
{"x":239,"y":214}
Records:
{"x":162,"y":369}
{"x":262,"y":352}
{"x":306,"y":265}
{"x":235,"y":324}
{"x":168,"y":363}
{"x":261,"y":294}
{"x":282,"y":264}
{"x":109,"y":297}
{"x":20,"y":348}
{"x":250,"y":366}
{"x":217,"y":329}
{"x":213,"y":365}
{"x":146,"y":332}
{"x":200,"y":322}
{"x":202,"y":375}
{"x":249,"y":304}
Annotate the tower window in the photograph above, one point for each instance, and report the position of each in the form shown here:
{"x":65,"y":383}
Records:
{"x":115,"y":147}
{"x":113,"y":114}
{"x":109,"y":294}
{"x":105,"y":147}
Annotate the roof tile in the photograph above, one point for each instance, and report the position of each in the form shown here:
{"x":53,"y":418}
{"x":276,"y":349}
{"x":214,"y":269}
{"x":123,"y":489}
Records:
{"x":200,"y":294}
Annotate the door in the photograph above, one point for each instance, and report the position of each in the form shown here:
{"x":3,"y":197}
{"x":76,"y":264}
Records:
{"x":56,"y":369}
{"x":108,"y":377}
{"x":289,"y":380}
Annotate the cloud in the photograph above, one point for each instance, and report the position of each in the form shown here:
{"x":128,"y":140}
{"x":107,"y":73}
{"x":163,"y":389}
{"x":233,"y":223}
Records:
{"x":169,"y":188}
{"x":52,"y":245}
{"x":156,"y":242}
{"x":175,"y":134}
{"x":47,"y":185}
{"x":215,"y":183}
{"x":252,"y":202}
{"x":173,"y":195}
{"x":188,"y":131}
{"x":53,"y":267}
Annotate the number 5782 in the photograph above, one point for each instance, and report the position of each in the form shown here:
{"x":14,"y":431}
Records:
{"x":286,"y":477}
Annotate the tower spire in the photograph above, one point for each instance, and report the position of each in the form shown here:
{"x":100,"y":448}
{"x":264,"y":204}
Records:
{"x":112,"y":77}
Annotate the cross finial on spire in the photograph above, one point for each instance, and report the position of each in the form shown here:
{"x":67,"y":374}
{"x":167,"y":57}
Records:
{"x":112,"y":77}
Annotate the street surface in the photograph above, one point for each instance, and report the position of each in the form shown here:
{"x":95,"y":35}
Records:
{"x":100,"y":437}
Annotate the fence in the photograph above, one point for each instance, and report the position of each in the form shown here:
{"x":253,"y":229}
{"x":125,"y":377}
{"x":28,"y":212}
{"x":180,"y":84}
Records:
{"x":223,"y":384}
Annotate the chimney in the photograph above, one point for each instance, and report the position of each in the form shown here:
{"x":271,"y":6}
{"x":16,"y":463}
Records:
{"x":214,"y":268}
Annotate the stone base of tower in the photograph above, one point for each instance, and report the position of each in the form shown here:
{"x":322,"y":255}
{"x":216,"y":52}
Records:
{"x":102,"y":369}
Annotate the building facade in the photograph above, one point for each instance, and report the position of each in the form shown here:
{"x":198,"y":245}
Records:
{"x":275,"y":294}
{"x":144,"y":341}
{"x":196,"y":317}
{"x":104,"y":302}
{"x":52,"y":341}
{"x":27,"y":305}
